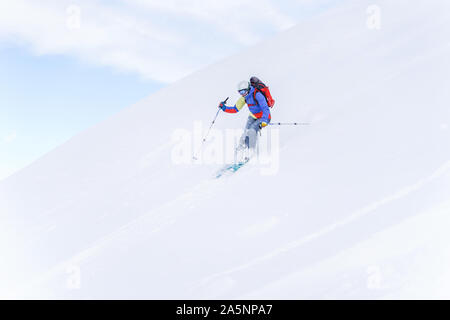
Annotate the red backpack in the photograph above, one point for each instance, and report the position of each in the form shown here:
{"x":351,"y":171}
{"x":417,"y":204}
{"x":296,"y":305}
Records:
{"x":261,"y":87}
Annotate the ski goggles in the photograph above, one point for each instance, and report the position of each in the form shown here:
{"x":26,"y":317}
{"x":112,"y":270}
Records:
{"x":243,"y":92}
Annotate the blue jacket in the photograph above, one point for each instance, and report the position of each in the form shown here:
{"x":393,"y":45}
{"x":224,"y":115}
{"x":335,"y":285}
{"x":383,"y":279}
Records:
{"x":258,"y":107}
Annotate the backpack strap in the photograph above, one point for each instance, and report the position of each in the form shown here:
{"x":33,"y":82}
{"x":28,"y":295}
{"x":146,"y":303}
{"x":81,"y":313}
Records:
{"x":254,"y":95}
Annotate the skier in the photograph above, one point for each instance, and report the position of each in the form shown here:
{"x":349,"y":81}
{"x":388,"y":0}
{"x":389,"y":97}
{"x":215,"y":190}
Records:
{"x":259,"y":113}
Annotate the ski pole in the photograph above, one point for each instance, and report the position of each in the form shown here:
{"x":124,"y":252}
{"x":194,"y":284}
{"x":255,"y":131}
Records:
{"x":207,"y":133}
{"x":289,"y":124}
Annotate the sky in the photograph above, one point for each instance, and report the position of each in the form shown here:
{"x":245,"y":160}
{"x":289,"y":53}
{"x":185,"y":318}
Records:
{"x":67,"y":65}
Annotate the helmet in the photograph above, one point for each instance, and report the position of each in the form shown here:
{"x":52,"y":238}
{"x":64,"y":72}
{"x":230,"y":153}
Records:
{"x":243,"y":88}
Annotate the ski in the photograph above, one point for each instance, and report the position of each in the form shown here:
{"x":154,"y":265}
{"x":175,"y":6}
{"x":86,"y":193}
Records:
{"x":231,"y":168}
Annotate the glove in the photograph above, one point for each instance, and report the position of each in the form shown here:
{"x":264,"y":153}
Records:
{"x":262,"y":125}
{"x":222,"y":106}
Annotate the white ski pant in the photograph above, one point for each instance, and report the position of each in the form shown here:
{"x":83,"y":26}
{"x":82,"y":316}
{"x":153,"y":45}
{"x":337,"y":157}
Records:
{"x":251,"y":130}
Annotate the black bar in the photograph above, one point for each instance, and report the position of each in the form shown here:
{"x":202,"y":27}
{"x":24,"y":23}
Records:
{"x":220,"y":309}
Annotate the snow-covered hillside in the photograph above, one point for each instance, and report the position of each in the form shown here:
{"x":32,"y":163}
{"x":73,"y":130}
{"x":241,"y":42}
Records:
{"x":359,"y":207}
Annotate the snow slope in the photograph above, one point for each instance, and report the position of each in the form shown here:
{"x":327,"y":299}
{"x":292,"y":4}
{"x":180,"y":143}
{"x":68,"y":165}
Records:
{"x":359,"y":207}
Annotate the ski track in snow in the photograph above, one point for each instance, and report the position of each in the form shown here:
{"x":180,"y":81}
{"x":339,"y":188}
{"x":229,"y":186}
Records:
{"x":158,"y":218}
{"x":358,"y":214}
{"x":162,"y":216}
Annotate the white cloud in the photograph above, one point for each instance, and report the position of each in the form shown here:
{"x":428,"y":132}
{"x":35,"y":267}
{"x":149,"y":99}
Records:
{"x":161,"y":40}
